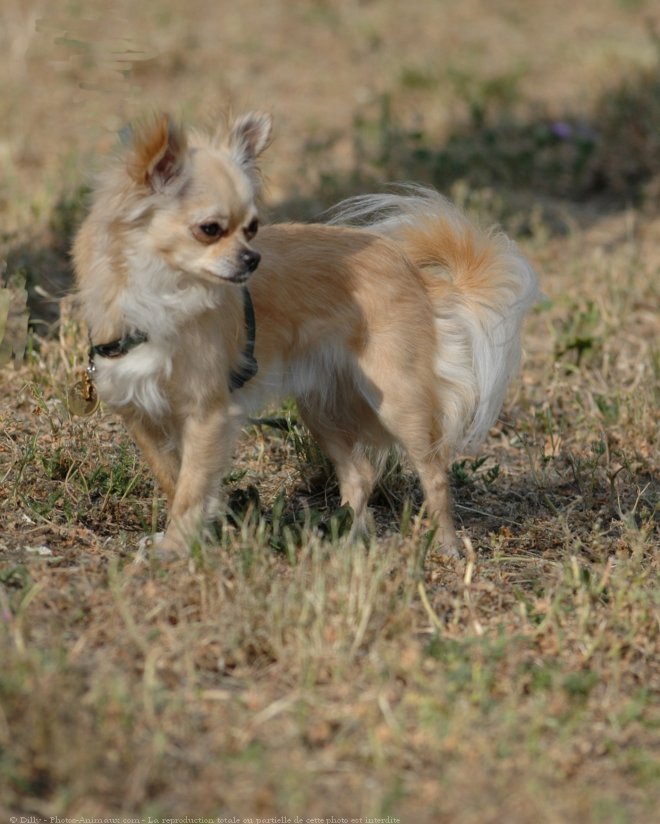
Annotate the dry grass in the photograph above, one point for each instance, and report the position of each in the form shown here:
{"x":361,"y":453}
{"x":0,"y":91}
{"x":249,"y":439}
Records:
{"x":279,"y":672}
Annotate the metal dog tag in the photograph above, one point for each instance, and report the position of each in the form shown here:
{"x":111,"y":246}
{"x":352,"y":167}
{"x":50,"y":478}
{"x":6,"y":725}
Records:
{"x":82,"y":398}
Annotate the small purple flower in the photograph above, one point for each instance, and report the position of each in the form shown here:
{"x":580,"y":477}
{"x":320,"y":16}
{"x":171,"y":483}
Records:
{"x":561,"y":130}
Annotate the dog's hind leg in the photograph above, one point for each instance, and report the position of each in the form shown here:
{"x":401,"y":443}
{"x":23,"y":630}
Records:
{"x":437,"y":493}
{"x":356,"y":476}
{"x":408,"y":416}
{"x":355,"y":472}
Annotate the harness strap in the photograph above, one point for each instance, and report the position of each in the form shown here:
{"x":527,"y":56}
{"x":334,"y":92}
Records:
{"x":249,"y":367}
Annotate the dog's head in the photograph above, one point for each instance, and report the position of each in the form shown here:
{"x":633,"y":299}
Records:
{"x":199,"y":195}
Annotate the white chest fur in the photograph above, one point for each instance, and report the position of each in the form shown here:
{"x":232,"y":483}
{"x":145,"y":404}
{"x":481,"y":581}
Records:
{"x":137,"y":378}
{"x":160,"y":303}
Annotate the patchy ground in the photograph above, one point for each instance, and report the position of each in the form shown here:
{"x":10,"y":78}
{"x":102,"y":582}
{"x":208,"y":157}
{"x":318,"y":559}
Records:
{"x":279,"y":672}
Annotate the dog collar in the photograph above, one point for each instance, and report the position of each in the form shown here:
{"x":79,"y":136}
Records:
{"x":117,"y":348}
{"x":237,"y":377}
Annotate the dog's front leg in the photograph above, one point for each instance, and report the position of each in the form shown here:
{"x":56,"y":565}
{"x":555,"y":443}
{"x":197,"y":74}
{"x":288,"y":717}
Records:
{"x":157,"y":449}
{"x":207,"y":442}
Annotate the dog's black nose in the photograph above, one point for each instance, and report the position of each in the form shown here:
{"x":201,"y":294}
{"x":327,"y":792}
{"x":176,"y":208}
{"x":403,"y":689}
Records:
{"x":249,"y":259}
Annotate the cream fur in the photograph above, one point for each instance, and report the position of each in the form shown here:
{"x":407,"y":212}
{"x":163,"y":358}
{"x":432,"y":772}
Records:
{"x":478,"y":321}
{"x":404,"y":330}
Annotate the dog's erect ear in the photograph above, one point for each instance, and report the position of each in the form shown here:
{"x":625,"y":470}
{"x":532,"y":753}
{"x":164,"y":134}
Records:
{"x":249,"y":136}
{"x":158,"y":149}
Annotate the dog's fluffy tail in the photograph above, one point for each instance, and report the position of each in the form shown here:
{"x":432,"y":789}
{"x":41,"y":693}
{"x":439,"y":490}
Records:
{"x":480,"y":286}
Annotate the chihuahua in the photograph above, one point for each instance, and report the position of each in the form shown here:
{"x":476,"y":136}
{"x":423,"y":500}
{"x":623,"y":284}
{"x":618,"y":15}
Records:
{"x":396,"y":322}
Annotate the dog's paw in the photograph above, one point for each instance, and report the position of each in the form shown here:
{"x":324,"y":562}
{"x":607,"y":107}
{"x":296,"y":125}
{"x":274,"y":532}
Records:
{"x":157,"y":546}
{"x":447,"y":543}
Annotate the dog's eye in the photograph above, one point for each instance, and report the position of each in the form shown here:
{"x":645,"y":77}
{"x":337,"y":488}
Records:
{"x":251,"y":229}
{"x":211,"y":229}
{"x":209,"y":232}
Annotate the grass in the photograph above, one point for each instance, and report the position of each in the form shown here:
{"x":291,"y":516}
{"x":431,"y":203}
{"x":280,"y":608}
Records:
{"x":278,"y":671}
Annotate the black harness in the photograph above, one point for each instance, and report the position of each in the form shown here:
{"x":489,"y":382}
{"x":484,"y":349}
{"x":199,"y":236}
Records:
{"x":249,"y":366}
{"x":237,"y":377}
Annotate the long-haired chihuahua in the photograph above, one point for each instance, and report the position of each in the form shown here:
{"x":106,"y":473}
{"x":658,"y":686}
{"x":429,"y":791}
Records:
{"x":397,"y":322}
